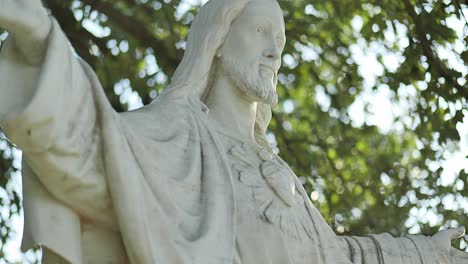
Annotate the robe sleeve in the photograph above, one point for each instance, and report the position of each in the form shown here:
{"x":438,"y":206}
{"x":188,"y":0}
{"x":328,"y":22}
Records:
{"x":51,"y":116}
{"x":383,"y":248}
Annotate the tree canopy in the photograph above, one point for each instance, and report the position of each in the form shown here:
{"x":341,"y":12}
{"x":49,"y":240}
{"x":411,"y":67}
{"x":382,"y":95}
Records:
{"x":347,"y":66}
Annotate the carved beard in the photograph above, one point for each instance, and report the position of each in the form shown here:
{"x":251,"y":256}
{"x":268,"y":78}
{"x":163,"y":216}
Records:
{"x":253,"y":80}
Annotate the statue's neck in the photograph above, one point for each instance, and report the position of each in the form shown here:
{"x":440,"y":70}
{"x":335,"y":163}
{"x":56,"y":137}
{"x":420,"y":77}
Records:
{"x":230,"y":110}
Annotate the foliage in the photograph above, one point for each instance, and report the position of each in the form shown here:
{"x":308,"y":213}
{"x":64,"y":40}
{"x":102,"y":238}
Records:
{"x":363,"y":178}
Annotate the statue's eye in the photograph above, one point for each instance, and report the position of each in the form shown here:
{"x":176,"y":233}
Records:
{"x":260,"y":30}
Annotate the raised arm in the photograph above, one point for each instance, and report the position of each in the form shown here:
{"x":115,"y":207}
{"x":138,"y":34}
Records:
{"x":29,"y":26}
{"x":48,"y":107}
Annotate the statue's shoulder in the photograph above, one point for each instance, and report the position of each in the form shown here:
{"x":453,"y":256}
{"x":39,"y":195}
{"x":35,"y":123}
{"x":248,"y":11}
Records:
{"x":164,"y":115}
{"x":161,"y":107}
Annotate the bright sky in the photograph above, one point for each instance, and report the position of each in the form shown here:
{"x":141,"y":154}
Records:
{"x":383,"y":111}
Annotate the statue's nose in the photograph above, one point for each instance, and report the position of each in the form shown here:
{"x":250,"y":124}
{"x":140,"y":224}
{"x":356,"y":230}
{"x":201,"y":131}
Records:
{"x":273,"y":55}
{"x":272,"y":52}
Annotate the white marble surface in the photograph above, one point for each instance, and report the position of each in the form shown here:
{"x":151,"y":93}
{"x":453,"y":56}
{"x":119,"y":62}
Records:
{"x":189,"y":178}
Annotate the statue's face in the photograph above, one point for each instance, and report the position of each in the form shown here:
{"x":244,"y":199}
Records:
{"x":251,"y":54}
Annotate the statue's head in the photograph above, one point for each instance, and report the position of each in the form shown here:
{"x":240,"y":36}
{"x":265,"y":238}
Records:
{"x":251,"y":52}
{"x":243,"y":39}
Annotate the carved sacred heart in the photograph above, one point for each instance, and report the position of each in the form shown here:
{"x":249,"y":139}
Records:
{"x":278,"y":178}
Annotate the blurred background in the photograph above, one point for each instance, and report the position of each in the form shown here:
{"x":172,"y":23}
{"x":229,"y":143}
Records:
{"x":373,"y":110}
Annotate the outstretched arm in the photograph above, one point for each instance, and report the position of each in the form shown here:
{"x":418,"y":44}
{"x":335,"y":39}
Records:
{"x":48,"y":107}
{"x":384,"y":248}
{"x":29,"y":26}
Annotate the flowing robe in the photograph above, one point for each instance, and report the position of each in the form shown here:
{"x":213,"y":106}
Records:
{"x":146,"y":186}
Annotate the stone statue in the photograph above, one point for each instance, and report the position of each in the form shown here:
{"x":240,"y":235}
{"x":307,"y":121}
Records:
{"x":189,"y":178}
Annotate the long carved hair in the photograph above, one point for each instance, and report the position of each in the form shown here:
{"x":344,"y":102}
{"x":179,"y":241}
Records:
{"x":207,"y":34}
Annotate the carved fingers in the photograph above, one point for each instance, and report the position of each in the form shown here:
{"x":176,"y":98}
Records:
{"x":7,"y":10}
{"x":455,"y":232}
{"x":442,"y":238}
{"x":32,"y":3}
{"x":29,"y":24}
{"x":442,"y":243}
{"x":24,"y":18}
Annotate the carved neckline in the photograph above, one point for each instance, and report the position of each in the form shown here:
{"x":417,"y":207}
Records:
{"x":249,"y":143}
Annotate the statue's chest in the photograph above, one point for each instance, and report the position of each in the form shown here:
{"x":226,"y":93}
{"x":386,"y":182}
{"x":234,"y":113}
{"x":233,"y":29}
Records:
{"x":266,"y":192}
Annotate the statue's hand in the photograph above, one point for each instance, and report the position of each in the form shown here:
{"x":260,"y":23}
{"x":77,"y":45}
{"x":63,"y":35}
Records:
{"x":442,"y":241}
{"x":28,"y":23}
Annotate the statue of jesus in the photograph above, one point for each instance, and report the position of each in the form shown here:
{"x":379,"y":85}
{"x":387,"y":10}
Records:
{"x":189,"y":178}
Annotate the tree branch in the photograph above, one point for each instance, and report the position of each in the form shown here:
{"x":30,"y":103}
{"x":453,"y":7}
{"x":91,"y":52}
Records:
{"x":433,"y":60}
{"x":139,"y":31}
{"x":78,"y":36}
